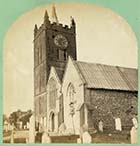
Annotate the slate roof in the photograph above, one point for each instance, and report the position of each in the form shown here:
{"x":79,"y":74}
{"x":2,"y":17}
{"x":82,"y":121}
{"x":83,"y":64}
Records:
{"x":108,"y":77}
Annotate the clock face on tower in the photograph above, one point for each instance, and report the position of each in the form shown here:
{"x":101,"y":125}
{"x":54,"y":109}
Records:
{"x":61,"y":41}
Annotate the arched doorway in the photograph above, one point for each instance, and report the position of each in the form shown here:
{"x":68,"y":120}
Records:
{"x":52,"y":121}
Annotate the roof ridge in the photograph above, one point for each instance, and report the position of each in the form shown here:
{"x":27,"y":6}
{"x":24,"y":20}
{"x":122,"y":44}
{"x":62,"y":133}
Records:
{"x":105,"y":64}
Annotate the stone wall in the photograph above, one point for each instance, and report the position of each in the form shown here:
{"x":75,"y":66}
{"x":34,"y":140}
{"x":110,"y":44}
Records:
{"x":106,"y":105}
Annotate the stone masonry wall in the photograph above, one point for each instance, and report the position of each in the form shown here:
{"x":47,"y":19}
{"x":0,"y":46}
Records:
{"x":106,"y":105}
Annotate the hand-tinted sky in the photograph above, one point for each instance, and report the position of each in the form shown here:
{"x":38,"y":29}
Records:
{"x":102,"y":37}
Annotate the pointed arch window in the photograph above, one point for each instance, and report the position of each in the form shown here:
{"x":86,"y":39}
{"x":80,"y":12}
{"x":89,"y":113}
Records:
{"x":71,"y":93}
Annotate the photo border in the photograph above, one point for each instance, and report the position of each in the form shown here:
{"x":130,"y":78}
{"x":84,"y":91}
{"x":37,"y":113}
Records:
{"x":11,"y":10}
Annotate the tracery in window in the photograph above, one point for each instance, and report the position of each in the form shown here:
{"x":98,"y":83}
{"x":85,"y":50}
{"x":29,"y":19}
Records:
{"x":71,"y":92}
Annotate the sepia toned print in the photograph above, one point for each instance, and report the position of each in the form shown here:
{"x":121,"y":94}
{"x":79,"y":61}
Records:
{"x":75,"y":101}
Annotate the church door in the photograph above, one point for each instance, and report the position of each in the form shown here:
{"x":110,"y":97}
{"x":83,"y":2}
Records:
{"x":52,"y":122}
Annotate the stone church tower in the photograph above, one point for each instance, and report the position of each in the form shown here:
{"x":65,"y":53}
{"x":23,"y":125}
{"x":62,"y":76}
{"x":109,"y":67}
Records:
{"x":53,"y":43}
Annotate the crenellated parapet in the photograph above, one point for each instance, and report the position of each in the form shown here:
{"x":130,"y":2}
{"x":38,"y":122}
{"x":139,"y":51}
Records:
{"x":54,"y":25}
{"x":63,"y":28}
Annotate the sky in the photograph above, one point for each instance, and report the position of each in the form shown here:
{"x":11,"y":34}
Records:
{"x":102,"y":37}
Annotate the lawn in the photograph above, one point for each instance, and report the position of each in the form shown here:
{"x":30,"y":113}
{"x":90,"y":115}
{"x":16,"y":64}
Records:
{"x":110,"y":138}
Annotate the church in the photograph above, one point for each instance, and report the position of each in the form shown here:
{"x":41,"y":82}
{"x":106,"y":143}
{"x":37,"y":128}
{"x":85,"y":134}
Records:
{"x":71,"y":94}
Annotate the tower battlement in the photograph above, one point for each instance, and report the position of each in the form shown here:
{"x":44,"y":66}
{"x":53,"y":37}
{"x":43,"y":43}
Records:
{"x":62,"y":28}
{"x":54,"y":25}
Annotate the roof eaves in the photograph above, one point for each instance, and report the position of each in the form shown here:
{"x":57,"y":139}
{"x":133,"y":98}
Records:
{"x":125,"y":90}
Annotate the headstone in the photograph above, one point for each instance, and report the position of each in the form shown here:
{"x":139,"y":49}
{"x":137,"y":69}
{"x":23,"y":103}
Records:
{"x":12,"y":134}
{"x":83,"y":129}
{"x":109,"y":134}
{"x":32,"y":129}
{"x":27,"y":125}
{"x":79,"y":140}
{"x":12,"y":137}
{"x":118,"y":124}
{"x":134,"y":135}
{"x":86,"y":137}
{"x":27,"y":140}
{"x":46,"y":138}
{"x":100,"y":126}
{"x":20,"y":124}
{"x":5,"y":126}
{"x":135,"y":122}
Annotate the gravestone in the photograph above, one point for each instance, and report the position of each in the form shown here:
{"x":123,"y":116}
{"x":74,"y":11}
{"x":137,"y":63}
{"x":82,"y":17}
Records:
{"x":6,"y":126}
{"x":135,"y":122}
{"x":12,"y":134}
{"x":79,"y":140}
{"x":86,"y":137}
{"x":32,"y":129}
{"x":27,"y":140}
{"x":100,"y":126}
{"x":46,"y":138}
{"x":20,"y":124}
{"x":28,"y":125}
{"x":118,"y":124}
{"x":134,"y":135}
{"x":24,"y":127}
{"x":12,"y":137}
